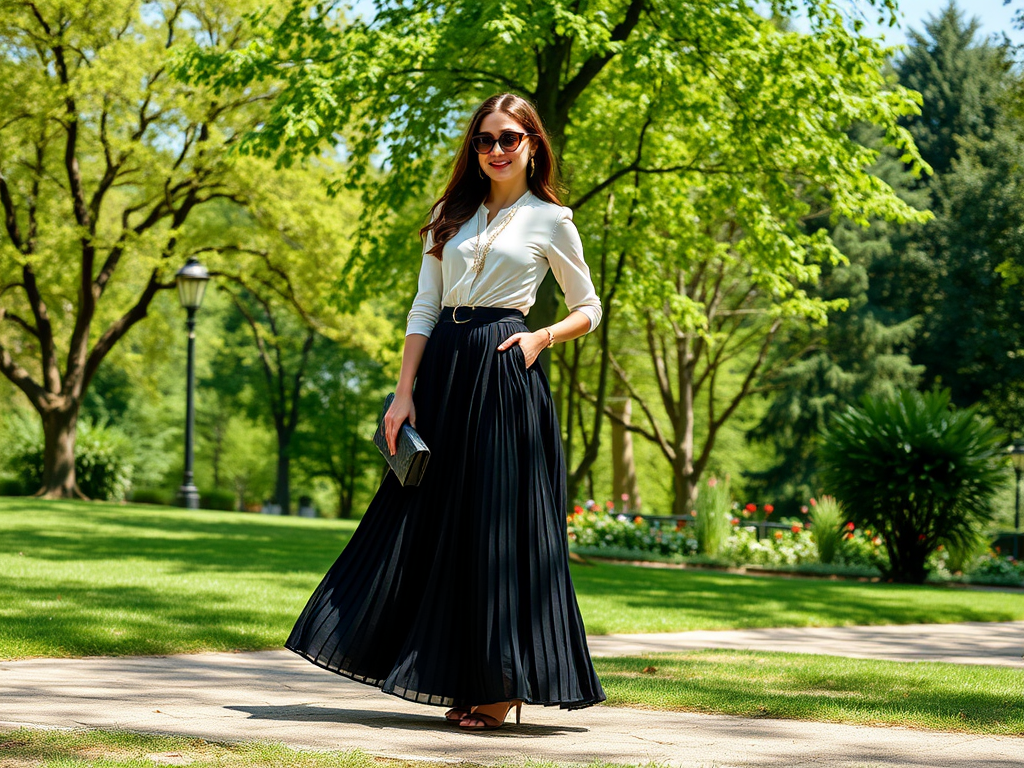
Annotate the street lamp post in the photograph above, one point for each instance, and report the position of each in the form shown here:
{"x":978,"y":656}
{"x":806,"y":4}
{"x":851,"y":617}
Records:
{"x":191,"y":280}
{"x":1017,"y":457}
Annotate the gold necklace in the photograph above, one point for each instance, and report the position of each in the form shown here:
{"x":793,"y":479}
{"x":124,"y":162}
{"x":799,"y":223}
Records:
{"x":480,"y":254}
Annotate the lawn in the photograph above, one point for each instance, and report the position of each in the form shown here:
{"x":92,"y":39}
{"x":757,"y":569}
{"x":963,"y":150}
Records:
{"x":932,"y":695}
{"x":83,"y":579}
{"x":123,"y":749}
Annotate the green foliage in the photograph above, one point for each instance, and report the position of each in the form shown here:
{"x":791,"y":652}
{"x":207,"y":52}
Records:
{"x":217,"y":498}
{"x":103,"y":459}
{"x":713,"y":522}
{"x":827,"y":518}
{"x":915,"y":471}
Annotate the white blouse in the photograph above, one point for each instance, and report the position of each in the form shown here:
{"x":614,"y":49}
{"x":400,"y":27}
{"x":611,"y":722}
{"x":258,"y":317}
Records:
{"x":540,"y":235}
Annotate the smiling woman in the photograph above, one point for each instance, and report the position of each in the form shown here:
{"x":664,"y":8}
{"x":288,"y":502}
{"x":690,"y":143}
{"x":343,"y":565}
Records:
{"x":457,"y":592}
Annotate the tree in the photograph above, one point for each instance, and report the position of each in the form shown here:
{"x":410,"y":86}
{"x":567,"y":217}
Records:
{"x":948,"y":272}
{"x":686,"y":93}
{"x":104,"y":160}
{"x":862,"y":349}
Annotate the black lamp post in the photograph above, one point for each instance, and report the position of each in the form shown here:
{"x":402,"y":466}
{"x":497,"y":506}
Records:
{"x":1017,"y":457}
{"x":191,"y":287}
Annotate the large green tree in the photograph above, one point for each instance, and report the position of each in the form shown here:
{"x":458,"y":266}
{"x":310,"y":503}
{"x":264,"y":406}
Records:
{"x":947,"y":272}
{"x":658,"y":112}
{"x":104,"y":161}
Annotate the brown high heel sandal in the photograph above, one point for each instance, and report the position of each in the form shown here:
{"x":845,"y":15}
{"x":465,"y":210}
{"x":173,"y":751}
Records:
{"x":490,"y":721}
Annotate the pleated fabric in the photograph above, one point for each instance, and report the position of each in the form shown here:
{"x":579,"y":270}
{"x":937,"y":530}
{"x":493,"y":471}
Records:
{"x":457,"y":591}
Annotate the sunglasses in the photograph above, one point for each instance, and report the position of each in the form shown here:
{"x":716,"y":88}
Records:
{"x":509,"y":141}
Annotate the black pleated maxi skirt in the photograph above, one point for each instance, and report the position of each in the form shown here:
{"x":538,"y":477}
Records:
{"x":457,"y":591}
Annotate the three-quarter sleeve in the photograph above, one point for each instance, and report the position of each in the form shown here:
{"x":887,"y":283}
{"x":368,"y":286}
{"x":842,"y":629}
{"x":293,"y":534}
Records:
{"x":565,"y":255}
{"x":426,"y":307}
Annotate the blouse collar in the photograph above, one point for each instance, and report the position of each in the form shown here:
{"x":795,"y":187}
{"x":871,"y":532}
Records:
{"x":523,"y":198}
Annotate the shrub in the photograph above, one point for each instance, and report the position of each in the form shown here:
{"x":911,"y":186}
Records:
{"x":827,"y":520}
{"x":103,"y":459}
{"x":713,"y":523}
{"x":151,"y":496}
{"x":915,"y":471}
{"x":217,"y":498}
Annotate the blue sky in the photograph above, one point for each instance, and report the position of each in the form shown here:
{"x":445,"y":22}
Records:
{"x":995,"y":17}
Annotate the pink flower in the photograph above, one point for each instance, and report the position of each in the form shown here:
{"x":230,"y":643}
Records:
{"x":813,"y":502}
{"x":735,"y":521}
{"x":712,"y":482}
{"x":803,"y":509}
{"x":625,"y":497}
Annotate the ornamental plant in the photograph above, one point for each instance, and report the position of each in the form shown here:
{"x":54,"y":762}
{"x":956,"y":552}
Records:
{"x":827,"y":518}
{"x":713,"y":522}
{"x":914,"y":470}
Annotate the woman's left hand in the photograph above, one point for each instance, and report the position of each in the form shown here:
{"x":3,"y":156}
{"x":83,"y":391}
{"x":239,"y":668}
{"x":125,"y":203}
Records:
{"x":531,"y":343}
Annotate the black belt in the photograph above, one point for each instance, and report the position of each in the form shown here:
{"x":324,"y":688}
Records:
{"x":463,"y":313}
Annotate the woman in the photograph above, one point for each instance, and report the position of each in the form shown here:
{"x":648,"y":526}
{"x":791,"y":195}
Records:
{"x":457,"y":592}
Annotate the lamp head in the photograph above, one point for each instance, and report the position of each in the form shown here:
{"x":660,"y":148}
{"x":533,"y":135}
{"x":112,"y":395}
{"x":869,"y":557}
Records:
{"x":192,"y":279}
{"x":1016,"y":452}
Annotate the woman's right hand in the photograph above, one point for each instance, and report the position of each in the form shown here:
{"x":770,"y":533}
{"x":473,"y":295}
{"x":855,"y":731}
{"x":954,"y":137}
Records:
{"x":401,"y":408}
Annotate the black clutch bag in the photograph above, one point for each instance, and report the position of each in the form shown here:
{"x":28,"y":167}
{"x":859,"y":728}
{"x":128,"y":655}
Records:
{"x":411,"y":453}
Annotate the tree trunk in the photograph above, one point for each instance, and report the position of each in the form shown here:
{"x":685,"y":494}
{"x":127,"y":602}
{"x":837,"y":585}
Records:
{"x":282,"y":488}
{"x":59,"y":425}
{"x":624,"y":480}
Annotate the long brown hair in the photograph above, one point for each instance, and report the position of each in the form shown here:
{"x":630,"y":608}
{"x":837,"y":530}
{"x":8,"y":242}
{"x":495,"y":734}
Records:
{"x":466,"y":190}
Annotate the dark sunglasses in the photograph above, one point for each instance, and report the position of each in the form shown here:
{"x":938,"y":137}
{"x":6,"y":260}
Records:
{"x":509,"y":141}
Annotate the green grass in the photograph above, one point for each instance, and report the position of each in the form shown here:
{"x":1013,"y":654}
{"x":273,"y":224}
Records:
{"x":124,"y":749}
{"x":84,"y":579}
{"x":930,"y":695}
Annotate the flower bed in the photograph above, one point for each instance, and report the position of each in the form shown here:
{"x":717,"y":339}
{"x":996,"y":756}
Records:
{"x":597,"y":531}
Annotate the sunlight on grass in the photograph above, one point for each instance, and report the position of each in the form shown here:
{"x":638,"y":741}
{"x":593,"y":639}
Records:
{"x":86,"y":579}
{"x":123,"y":749}
{"x":949,"y":697}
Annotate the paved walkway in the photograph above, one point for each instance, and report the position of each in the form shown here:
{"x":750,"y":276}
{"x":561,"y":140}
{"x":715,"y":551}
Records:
{"x":278,"y":696}
{"x":999,"y":643}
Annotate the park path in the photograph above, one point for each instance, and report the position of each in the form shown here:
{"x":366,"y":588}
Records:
{"x":974,"y":642}
{"x":279,"y":696}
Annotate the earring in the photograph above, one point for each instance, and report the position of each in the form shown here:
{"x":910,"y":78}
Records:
{"x":531,"y":165}
{"x":480,"y":170}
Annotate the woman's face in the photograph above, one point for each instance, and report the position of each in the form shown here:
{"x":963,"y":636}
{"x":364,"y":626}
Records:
{"x":501,"y":165}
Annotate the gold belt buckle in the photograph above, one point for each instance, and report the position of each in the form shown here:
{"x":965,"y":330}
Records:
{"x":455,"y":309}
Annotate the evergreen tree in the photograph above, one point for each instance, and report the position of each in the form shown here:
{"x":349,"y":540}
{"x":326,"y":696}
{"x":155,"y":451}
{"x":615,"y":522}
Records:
{"x":947,"y":271}
{"x":861,"y":351}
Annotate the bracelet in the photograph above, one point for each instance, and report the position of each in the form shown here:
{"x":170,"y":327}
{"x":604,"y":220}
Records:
{"x":551,"y":337}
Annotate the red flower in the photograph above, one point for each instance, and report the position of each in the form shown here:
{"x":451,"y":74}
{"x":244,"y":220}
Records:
{"x":679,"y":525}
{"x":735,"y":521}
{"x":577,"y":509}
{"x":638,"y":519}
{"x":610,"y":504}
{"x":920,"y":537}
{"x":850,"y":526}
{"x":797,"y":528}
{"x":813,"y":502}
{"x":751,"y":507}
{"x":768,"y":509}
{"x":847,"y":536}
